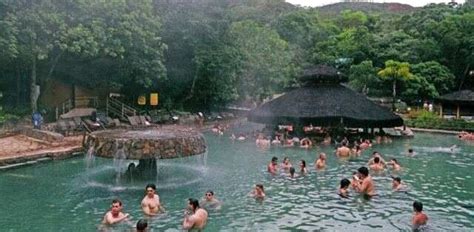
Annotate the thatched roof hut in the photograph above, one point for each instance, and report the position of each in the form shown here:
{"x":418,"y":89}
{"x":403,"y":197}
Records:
{"x":458,"y":104}
{"x":323,"y":101}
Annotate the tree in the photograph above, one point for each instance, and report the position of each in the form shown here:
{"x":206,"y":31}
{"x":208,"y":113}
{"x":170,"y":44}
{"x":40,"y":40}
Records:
{"x":395,"y":71}
{"x":435,"y":74}
{"x":363,"y":75}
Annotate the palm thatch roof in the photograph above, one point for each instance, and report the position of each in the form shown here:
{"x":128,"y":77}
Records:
{"x":321,"y":74}
{"x":325,"y":105}
{"x":463,"y":97}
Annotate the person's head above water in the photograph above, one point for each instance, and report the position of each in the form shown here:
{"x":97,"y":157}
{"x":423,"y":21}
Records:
{"x":375,"y":153}
{"x":274,"y":159}
{"x":345,"y":183}
{"x":292,"y":171}
{"x":303,"y":164}
{"x":376,"y":160}
{"x":410,"y":150}
{"x":363,"y":171}
{"x":259,"y":187}
{"x":150,"y":190}
{"x":193,"y":203}
{"x":142,"y":224}
{"x":417,"y":206}
{"x":394,"y":161}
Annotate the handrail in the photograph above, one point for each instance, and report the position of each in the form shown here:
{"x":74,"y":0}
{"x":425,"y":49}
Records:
{"x":119,"y":108}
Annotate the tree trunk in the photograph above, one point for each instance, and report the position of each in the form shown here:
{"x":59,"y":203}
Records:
{"x":394,"y":94}
{"x":33,"y":94}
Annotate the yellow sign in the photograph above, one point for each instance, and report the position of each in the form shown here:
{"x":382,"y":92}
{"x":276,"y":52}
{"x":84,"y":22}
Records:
{"x":142,"y":100}
{"x":154,"y":99}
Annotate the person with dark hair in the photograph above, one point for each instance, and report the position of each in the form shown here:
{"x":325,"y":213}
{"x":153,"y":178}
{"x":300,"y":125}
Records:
{"x":258,"y":192}
{"x":411,"y":152}
{"x":396,"y":166}
{"x":273,"y":166}
{"x":397,"y":185}
{"x":374,"y":155}
{"x":142,"y":225}
{"x":151,"y":202}
{"x":115,"y":214}
{"x":195,"y":217}
{"x":209,"y":201}
{"x":303,"y":169}
{"x":377,"y":165}
{"x":365,"y":185}
{"x":419,"y":218}
{"x":292,"y":172}
{"x":344,"y":188}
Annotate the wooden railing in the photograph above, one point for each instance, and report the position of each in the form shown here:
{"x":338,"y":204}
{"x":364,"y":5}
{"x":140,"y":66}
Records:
{"x":79,"y":102}
{"x":119,"y":109}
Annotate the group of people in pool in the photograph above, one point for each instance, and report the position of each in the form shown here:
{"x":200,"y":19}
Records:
{"x":361,"y":181}
{"x":195,"y":215}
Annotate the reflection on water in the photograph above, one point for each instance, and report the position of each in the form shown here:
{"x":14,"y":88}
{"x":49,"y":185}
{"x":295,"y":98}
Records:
{"x":439,"y":177}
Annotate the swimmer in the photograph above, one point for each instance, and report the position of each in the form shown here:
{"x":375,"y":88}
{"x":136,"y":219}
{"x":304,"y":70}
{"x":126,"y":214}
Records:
{"x":195,"y":217}
{"x":396,"y":166}
{"x":355,"y":180}
{"x":306,"y":143}
{"x":142,"y":225}
{"x":286,"y":165}
{"x":376,"y":154}
{"x":321,"y":162}
{"x":292,"y":172}
{"x":210,"y":202}
{"x":276,"y":141}
{"x":273,"y":166}
{"x":151,"y":202}
{"x":356,"y":151}
{"x":303,"y":169}
{"x":397,"y":185}
{"x":411,"y":152}
{"x":115,"y":214}
{"x":377,"y":165}
{"x":366,"y":185}
{"x":241,"y":137}
{"x":419,"y":218}
{"x":343,"y":151}
{"x":258,"y":193}
{"x":344,"y":189}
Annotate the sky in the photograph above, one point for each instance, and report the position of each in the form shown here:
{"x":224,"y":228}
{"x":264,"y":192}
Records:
{"x":410,"y":2}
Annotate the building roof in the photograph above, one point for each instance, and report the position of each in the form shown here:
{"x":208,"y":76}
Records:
{"x":325,"y":105}
{"x":463,"y":97}
{"x":321,"y":74}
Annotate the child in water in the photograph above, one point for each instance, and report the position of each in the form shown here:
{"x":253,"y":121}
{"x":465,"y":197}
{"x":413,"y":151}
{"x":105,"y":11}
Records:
{"x":344,"y":188}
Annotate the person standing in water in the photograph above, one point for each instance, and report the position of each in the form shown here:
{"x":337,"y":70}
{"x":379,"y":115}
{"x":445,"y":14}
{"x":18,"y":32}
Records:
{"x":344,"y":188}
{"x":321,"y":162}
{"x":343,"y":151}
{"x":210,"y":202}
{"x":258,"y":193}
{"x":419,"y":218}
{"x":195,"y":217}
{"x":273,"y":166}
{"x":366,"y":185}
{"x":151,"y":202}
{"x":115,"y":215}
{"x":142,"y":225}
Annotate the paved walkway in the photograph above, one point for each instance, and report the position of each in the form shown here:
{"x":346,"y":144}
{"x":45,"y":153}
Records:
{"x":20,"y":148}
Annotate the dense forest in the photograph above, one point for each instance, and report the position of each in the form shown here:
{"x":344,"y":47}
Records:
{"x":204,"y":54}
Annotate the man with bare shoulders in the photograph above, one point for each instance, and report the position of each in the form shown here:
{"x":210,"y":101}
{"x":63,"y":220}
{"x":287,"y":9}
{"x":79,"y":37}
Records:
{"x":343,"y":151}
{"x":115,"y":214}
{"x":419,"y":218}
{"x":273,"y":166}
{"x":377,"y":165}
{"x":195,"y":217}
{"x":151,"y":202}
{"x":374,"y":155}
{"x":365,"y":185}
{"x":321,"y":162}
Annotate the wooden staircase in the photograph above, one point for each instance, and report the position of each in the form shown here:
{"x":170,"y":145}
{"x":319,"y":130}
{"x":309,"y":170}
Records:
{"x":119,"y":109}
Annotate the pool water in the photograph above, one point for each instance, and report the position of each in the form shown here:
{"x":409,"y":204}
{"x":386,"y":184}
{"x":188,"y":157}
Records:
{"x":74,"y":194}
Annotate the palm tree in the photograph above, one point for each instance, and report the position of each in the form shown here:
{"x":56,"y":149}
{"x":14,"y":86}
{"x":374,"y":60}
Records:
{"x":395,"y":71}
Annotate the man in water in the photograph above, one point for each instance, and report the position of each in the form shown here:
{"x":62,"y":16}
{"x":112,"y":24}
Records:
{"x":142,"y":225}
{"x":195,"y":217}
{"x":419,"y":218}
{"x":376,"y":154}
{"x":286,"y":165}
{"x":366,"y":184}
{"x":115,"y":214}
{"x":396,"y":166}
{"x":397,"y":185}
{"x":344,"y":189}
{"x":151,"y":202}
{"x":377,"y":165}
{"x":210,"y":202}
{"x":273,"y":166}
{"x":321,"y":162}
{"x":258,"y":193}
{"x":343,"y":151}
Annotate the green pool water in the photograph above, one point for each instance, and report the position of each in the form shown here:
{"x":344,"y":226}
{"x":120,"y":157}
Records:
{"x":74,"y":194}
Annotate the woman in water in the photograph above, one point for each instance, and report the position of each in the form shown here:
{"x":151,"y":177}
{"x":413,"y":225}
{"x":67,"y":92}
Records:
{"x":303,"y":169}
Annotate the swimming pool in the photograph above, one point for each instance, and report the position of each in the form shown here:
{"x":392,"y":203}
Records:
{"x":74,"y":194}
